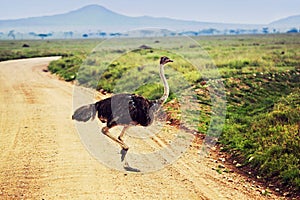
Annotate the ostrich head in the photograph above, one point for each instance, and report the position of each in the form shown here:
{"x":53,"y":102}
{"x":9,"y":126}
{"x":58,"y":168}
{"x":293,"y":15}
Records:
{"x":164,"y":60}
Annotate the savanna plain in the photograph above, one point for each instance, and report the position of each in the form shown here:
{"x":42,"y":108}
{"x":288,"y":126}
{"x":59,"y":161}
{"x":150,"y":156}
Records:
{"x":247,"y":86}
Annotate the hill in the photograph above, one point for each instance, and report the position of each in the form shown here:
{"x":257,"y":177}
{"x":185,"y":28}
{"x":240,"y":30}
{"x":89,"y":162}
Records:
{"x":96,"y":17}
{"x":288,"y":22}
{"x":92,"y":20}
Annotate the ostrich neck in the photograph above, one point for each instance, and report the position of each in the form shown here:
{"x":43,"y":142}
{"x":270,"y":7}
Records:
{"x":166,"y":86}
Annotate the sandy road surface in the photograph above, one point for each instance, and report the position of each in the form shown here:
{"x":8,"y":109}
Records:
{"x":42,"y":156}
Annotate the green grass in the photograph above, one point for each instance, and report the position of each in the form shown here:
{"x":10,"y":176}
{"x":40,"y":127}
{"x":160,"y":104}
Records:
{"x":263,"y":124}
{"x":13,"y":49}
{"x":260,"y":73}
{"x":66,"y":67}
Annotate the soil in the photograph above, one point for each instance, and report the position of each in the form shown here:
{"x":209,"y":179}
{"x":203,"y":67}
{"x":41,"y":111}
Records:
{"x":42,"y":156}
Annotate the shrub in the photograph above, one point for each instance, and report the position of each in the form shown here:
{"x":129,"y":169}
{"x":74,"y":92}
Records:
{"x":67,"y":67}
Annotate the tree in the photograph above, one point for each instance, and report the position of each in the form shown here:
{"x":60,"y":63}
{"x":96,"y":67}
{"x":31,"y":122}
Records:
{"x":232,"y":31}
{"x":42,"y":35}
{"x":68,"y":34}
{"x":32,"y":33}
{"x":293,"y":30}
{"x":12,"y":34}
{"x":210,"y":31}
{"x":265,"y":30}
{"x":115,"y":34}
{"x":102,"y":34}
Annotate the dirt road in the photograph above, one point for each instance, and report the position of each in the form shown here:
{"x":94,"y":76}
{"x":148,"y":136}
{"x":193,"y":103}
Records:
{"x":42,"y":156}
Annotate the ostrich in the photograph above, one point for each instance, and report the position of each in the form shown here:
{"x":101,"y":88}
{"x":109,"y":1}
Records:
{"x":124,"y":109}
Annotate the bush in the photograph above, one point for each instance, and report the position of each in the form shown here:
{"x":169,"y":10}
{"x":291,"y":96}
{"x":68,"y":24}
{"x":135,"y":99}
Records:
{"x":67,"y":67}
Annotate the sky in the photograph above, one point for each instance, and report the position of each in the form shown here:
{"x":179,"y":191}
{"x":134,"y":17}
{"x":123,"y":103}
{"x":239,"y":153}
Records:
{"x":225,"y":11}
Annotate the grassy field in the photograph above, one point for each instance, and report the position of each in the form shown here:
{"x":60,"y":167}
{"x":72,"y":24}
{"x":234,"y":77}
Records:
{"x":261,"y":76}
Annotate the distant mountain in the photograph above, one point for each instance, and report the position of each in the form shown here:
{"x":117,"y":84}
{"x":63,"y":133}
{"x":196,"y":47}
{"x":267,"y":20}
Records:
{"x":289,"y":22}
{"x":95,"y":19}
{"x":89,"y":16}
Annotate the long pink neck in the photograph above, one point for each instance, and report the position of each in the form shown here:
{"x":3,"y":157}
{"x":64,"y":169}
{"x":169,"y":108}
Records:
{"x":165,"y":96}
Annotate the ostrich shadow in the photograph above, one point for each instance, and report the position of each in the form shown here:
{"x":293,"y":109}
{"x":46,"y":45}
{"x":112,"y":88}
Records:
{"x":126,"y":164}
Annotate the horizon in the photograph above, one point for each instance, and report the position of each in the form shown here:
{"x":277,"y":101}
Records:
{"x":262,"y":15}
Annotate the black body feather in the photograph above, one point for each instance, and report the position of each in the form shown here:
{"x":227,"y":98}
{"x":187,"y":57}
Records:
{"x":120,"y":109}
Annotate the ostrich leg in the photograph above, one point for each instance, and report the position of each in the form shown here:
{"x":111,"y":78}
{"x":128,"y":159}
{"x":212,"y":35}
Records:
{"x":106,"y":132}
{"x":123,"y":132}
